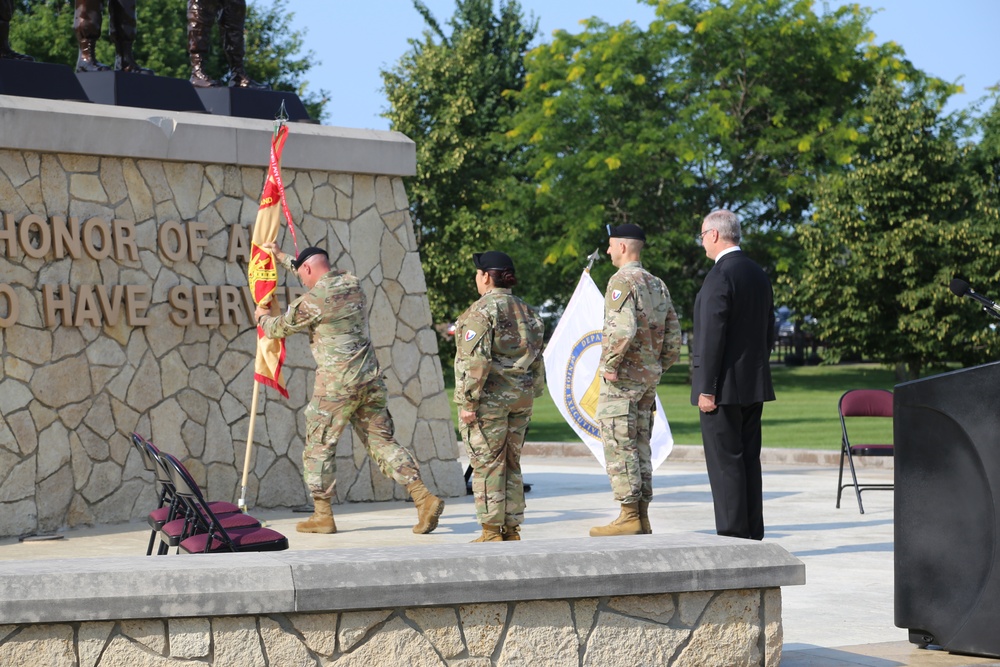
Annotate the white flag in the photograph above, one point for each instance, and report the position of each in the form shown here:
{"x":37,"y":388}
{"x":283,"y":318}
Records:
{"x":572,"y":361}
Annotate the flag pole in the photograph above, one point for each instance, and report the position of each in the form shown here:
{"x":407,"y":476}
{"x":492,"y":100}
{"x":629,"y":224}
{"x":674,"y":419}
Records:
{"x":246,"y":459}
{"x":280,"y":119}
{"x":591,"y":258}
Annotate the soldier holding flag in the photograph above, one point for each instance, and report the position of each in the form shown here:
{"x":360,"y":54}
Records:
{"x":641,"y":339}
{"x":349,"y":388}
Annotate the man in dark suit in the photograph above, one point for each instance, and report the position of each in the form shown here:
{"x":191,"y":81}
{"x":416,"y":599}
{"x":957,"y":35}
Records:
{"x":733,"y":338}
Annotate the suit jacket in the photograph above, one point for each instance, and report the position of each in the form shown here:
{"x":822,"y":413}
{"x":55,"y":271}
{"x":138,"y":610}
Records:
{"x":733,"y":333}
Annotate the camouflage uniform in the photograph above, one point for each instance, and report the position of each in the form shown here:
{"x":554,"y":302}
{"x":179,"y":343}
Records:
{"x":349,"y":386}
{"x":498,"y":373}
{"x":642,"y":338}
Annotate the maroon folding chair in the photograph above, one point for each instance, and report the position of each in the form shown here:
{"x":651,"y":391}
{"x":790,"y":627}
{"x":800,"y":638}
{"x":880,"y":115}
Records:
{"x":862,"y":403}
{"x":165,"y":497}
{"x":172,"y":506}
{"x":218,"y":538}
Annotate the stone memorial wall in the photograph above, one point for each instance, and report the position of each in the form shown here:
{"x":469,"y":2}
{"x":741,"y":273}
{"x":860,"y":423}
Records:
{"x":732,"y":628}
{"x":665,"y":599}
{"x":124,"y":307}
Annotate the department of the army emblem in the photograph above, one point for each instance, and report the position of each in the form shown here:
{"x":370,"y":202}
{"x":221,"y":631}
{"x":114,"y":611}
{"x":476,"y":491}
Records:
{"x":581,"y":389}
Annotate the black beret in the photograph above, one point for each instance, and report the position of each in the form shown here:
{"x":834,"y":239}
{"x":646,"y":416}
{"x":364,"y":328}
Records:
{"x":627,"y":231}
{"x":492,"y":259}
{"x":306,"y":254}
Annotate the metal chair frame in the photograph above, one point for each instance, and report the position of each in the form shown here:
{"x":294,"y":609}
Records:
{"x":862,"y":403}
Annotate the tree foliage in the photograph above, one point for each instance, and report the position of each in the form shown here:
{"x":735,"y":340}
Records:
{"x":887,"y":235}
{"x":44,"y":29}
{"x":738,"y":104}
{"x":450,"y":93}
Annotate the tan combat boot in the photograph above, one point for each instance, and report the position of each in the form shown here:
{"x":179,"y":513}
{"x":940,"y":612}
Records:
{"x":490,"y":534}
{"x":322,"y":519}
{"x":644,"y":517}
{"x":429,"y":507}
{"x":511,"y":533}
{"x":627,"y":523}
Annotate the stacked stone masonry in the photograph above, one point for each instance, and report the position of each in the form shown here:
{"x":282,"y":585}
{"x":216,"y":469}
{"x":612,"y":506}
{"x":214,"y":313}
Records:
{"x":71,"y":392}
{"x":699,"y":629}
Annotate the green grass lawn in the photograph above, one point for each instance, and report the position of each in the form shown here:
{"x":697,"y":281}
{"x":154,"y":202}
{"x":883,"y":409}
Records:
{"x":804,"y":415}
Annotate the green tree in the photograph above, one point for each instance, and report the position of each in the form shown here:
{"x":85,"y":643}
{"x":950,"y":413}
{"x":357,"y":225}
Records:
{"x":738,"y":104}
{"x":889,"y":232}
{"x":44,"y":29}
{"x":450,"y":93}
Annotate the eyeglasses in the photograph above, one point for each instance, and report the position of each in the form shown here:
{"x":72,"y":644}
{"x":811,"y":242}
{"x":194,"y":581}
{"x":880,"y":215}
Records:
{"x":700,"y":238}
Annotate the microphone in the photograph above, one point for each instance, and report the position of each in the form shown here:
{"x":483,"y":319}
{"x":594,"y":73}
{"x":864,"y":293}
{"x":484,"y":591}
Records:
{"x":960,"y":288}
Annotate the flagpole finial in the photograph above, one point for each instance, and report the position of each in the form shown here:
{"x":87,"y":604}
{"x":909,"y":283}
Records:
{"x":280,"y":118}
{"x":593,"y":257}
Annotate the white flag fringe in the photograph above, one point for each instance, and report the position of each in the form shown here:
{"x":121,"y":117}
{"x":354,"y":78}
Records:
{"x":572,"y":357}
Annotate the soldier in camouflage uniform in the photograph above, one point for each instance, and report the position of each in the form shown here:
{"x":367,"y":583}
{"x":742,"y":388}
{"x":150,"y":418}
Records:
{"x":349,"y":388}
{"x":642,"y":338}
{"x":498,"y":374}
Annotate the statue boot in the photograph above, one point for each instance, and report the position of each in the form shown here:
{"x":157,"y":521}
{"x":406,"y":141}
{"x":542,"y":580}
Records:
{"x":199,"y":79}
{"x":238,"y":78}
{"x":429,"y":507}
{"x":87,"y":61}
{"x":321,"y":520}
{"x":125,"y":60}
{"x":627,"y":523}
{"x":7,"y":53}
{"x":199,"y":25}
{"x":511,"y":533}
{"x":644,"y":517}
{"x":234,"y":45}
{"x":490,"y":534}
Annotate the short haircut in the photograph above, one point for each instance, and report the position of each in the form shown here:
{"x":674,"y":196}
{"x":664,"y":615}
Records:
{"x":634,"y":246}
{"x":726,"y":223}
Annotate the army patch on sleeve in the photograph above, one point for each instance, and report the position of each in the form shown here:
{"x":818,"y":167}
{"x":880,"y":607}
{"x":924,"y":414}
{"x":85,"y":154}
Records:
{"x":617,"y":294}
{"x":471,"y":337}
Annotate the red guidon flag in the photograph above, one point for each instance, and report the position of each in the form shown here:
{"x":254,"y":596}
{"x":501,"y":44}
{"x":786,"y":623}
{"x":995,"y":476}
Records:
{"x":262,"y":272}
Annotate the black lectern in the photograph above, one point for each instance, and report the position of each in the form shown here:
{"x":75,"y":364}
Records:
{"x":947,"y":497}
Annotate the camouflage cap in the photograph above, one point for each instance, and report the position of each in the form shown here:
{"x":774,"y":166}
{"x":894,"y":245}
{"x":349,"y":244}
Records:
{"x":492,"y":259}
{"x":306,"y":254}
{"x":627,"y":231}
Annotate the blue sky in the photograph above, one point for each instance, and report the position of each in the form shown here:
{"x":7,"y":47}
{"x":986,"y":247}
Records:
{"x":354,"y":40}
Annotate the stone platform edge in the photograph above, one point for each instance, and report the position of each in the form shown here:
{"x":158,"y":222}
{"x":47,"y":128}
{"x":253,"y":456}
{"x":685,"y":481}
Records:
{"x":807,"y":457}
{"x":146,"y":587}
{"x":58,"y":126}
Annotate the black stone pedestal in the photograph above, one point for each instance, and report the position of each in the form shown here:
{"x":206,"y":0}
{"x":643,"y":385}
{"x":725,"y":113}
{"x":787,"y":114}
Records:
{"x":45,"y":80}
{"x":248,"y":103}
{"x":127,"y":89}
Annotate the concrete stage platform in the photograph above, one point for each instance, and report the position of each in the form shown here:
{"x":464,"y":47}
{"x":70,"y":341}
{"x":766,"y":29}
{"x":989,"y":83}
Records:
{"x":843,"y":616}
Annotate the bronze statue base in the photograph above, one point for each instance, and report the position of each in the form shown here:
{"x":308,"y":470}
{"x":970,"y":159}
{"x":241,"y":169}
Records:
{"x":125,"y":89}
{"x":251,"y":103}
{"x":25,"y":78}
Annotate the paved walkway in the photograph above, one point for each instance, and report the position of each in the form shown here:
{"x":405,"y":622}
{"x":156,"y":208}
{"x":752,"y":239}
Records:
{"x":843,"y":615}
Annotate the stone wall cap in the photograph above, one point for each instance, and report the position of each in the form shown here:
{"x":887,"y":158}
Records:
{"x":58,"y":126}
{"x":59,"y":590}
{"x":377,"y":578}
{"x":537,"y":569}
